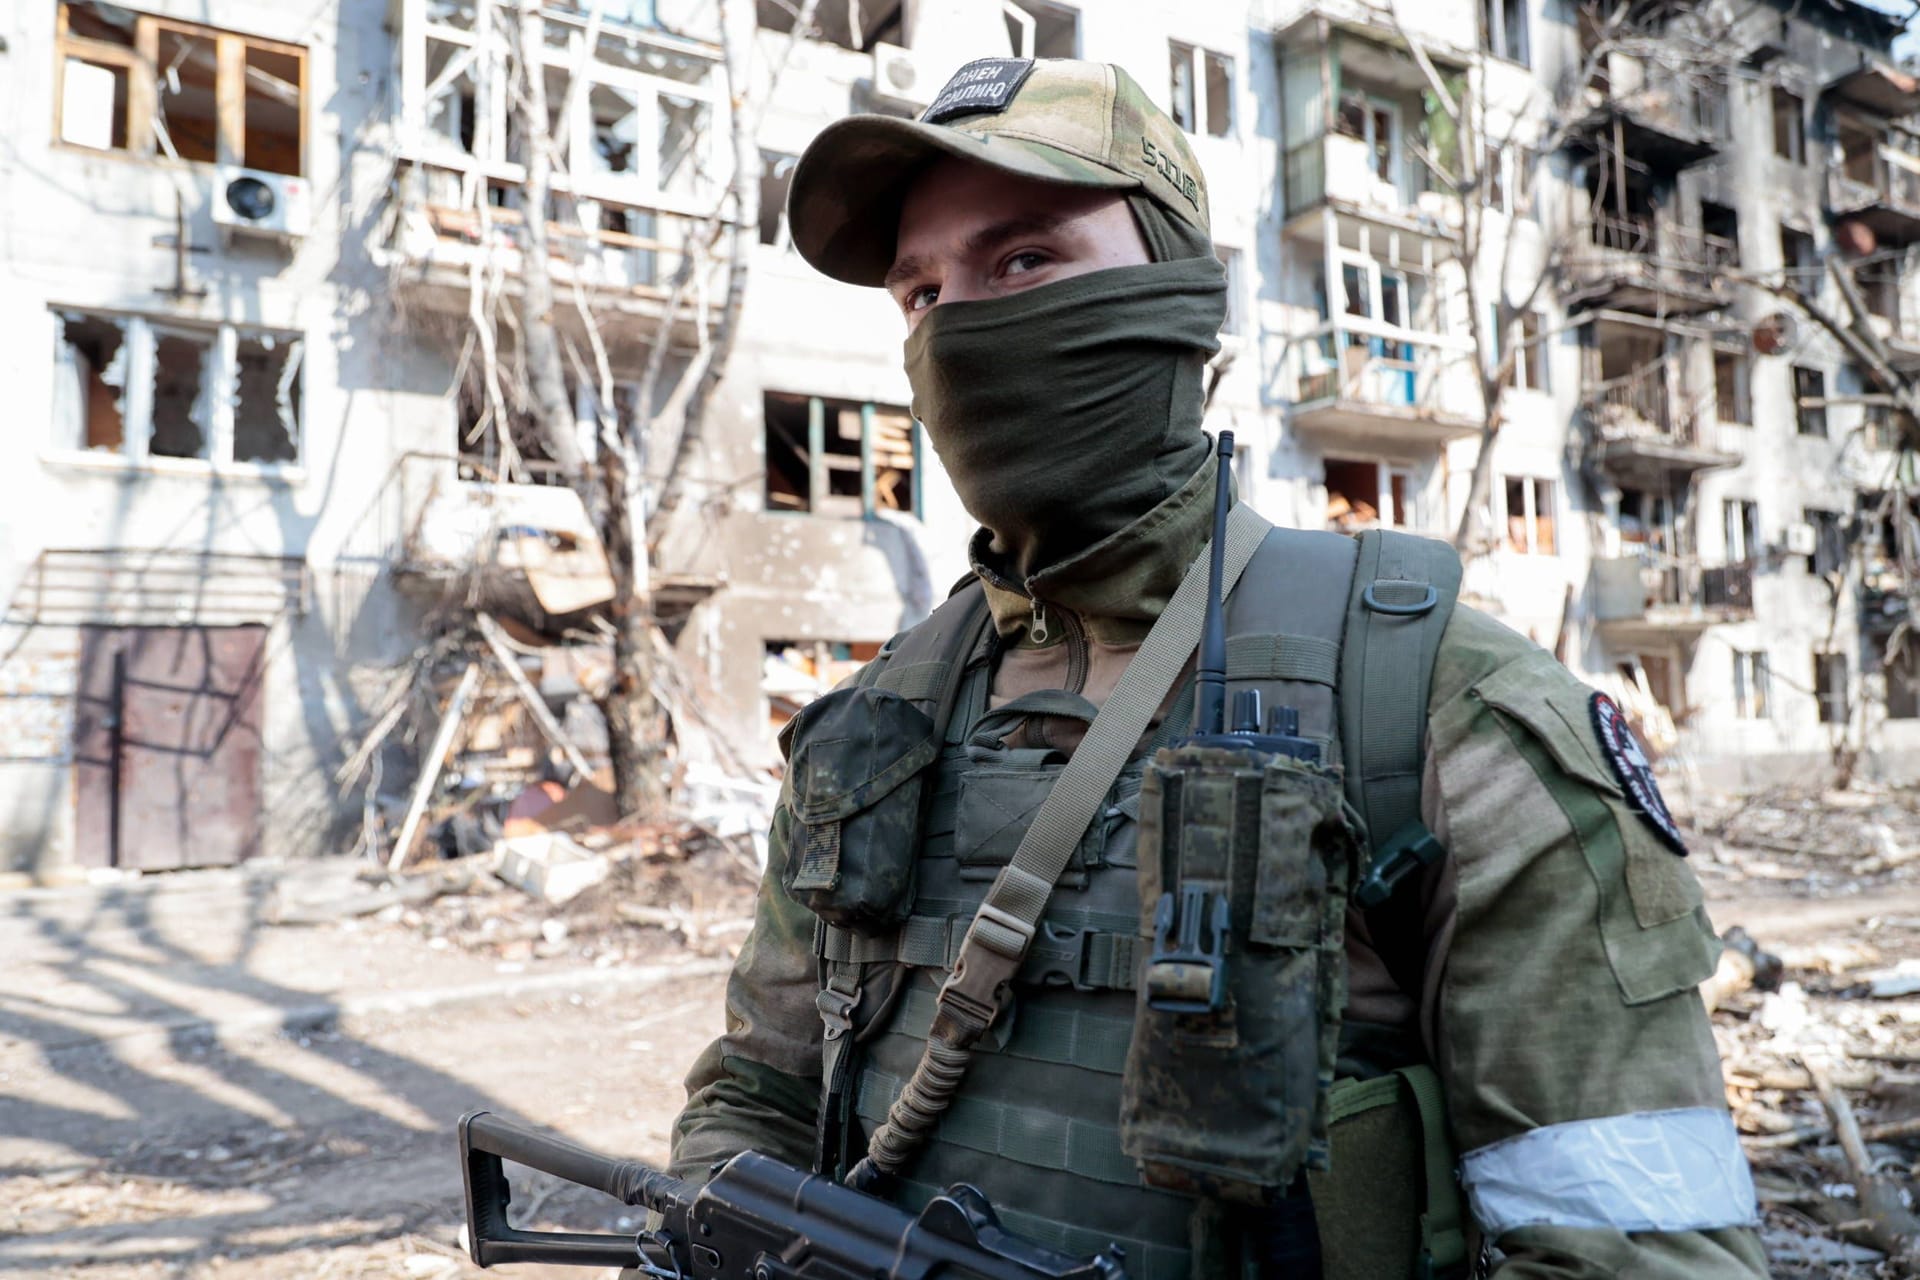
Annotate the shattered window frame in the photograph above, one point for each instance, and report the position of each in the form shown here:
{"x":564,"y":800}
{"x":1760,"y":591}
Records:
{"x":845,"y":470}
{"x":218,"y":421}
{"x":160,"y":57}
{"x":1752,"y":685}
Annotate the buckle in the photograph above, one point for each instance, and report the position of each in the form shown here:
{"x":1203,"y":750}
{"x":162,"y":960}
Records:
{"x":1058,"y":958}
{"x":836,"y":1009}
{"x":1407,"y":850}
{"x":1187,"y":973}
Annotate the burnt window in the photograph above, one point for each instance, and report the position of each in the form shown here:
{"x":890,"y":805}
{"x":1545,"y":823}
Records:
{"x":1789,"y":125}
{"x":1797,"y":253}
{"x":1733,"y":401}
{"x":1829,"y":542}
{"x":839,"y":457}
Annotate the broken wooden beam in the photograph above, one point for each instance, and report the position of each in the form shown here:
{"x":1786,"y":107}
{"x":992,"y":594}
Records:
{"x":430,"y":766}
{"x":536,"y":705}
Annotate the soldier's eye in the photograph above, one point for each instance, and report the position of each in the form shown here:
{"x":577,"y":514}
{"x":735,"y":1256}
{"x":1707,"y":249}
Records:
{"x":920,"y":299}
{"x":1025,"y":261}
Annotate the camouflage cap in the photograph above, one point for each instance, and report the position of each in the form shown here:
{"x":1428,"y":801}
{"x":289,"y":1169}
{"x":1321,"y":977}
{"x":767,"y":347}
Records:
{"x":1085,"y":124}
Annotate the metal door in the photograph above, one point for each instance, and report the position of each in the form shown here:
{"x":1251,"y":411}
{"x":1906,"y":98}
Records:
{"x":167,"y":746}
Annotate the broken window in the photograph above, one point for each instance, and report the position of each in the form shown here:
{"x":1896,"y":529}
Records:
{"x":1503,"y":29}
{"x":125,"y":385}
{"x":1829,"y":542}
{"x":1879,"y":285}
{"x":1732,"y":400}
{"x":1202,"y":89}
{"x":683,"y":133}
{"x":1363,"y":494}
{"x":1530,"y":515}
{"x":839,"y":457}
{"x":776,"y":176}
{"x":1040,"y":30}
{"x":90,"y":380}
{"x":216,"y":96}
{"x":478,"y":446}
{"x":1789,"y":125}
{"x":1796,"y":250}
{"x":1722,"y":222}
{"x":1830,"y":686}
{"x":181,"y":404}
{"x":452,"y":97}
{"x":1809,"y":401}
{"x":1752,"y":685}
{"x":266,"y":402}
{"x":1741,"y":519}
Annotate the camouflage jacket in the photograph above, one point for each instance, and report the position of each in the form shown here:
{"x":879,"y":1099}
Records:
{"x":1563,"y":938}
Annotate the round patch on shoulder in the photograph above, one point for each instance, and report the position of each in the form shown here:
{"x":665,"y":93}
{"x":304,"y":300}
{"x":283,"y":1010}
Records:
{"x":1629,"y":762}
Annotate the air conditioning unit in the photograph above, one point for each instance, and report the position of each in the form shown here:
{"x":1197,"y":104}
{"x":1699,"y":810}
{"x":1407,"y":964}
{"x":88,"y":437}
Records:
{"x":1800,"y":540}
{"x":901,"y":78}
{"x":253,"y":202}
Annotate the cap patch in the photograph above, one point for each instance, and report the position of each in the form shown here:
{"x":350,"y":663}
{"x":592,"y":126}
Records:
{"x":1635,"y":772}
{"x":983,"y":85}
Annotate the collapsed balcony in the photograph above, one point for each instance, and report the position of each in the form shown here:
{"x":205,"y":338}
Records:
{"x":1876,"y":183}
{"x":1641,"y":264}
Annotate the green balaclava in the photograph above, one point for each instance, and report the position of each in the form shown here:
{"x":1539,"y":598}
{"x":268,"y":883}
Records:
{"x":1064,"y":413}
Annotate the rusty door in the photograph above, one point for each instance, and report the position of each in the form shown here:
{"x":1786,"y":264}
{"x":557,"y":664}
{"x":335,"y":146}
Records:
{"x":167,"y":746}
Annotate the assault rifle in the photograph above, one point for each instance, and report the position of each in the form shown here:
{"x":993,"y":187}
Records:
{"x":756,"y":1219}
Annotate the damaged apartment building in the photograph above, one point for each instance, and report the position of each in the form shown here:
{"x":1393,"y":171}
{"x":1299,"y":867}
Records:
{"x":264,"y":262}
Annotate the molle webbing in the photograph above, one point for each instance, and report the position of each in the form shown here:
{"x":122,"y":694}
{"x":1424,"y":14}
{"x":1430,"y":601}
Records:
{"x":1090,"y":950}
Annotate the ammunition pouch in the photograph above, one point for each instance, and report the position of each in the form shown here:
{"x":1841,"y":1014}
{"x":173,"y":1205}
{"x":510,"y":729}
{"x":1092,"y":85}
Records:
{"x":1245,"y":862}
{"x":856,"y":785}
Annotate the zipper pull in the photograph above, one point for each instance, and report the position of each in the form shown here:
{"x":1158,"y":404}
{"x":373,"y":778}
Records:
{"x":1037,"y":629}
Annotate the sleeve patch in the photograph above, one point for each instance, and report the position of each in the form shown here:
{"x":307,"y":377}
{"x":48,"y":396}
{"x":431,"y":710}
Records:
{"x":1629,"y":762}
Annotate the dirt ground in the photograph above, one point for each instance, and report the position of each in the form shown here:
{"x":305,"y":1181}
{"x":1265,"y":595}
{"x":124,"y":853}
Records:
{"x":134,"y":1146}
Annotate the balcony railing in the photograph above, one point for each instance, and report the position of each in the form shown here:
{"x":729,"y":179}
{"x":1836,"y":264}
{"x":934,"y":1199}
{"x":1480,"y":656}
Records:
{"x":1662,"y":590}
{"x":1652,"y":266}
{"x":1886,"y":177}
{"x":1403,"y":374}
{"x":1335,"y":166}
{"x":1645,"y":405}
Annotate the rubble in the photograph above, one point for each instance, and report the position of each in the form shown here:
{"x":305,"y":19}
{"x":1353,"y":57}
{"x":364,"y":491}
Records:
{"x":550,"y":866}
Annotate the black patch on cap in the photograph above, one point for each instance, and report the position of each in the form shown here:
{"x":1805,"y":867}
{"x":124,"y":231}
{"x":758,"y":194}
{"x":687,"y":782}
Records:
{"x":1635,"y":772}
{"x":983,"y":85}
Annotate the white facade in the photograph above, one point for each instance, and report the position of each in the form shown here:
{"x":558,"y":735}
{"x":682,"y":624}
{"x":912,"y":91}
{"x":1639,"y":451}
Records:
{"x":817,"y":523}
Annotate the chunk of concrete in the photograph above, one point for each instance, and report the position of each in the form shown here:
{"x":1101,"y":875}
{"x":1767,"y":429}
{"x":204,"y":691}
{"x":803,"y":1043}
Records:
{"x":551,"y":867}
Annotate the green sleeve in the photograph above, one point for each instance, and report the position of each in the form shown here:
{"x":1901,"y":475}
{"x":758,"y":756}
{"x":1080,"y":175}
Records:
{"x":758,"y":1086}
{"x":1578,"y":938}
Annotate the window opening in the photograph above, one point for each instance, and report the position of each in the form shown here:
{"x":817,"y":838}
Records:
{"x":180,"y":403}
{"x":1829,"y":542}
{"x":1742,"y":521}
{"x":1721,"y":222}
{"x":1789,"y":126}
{"x":1353,"y":494}
{"x":1503,"y":29}
{"x":838,"y":457}
{"x":188,"y":105}
{"x":271,"y":110}
{"x":1830,"y":686}
{"x":795,"y":672}
{"x":1732,"y":402}
{"x":1796,"y":250}
{"x":1752,"y":686}
{"x":1902,"y":675}
{"x":850,"y":26}
{"x":266,"y":408}
{"x":1056,"y":31}
{"x":1530,"y":515}
{"x":91,"y":378}
{"x":1810,"y":384}
{"x":1201,"y":89}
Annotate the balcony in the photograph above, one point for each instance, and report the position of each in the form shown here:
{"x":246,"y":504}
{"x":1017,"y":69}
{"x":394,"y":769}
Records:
{"x":1359,"y":383}
{"x":1643,"y":429}
{"x":1878,"y":186}
{"x":1343,"y":173}
{"x":1646,"y":599}
{"x":1642,"y":265}
{"x":1879,"y":88}
{"x":1663,"y":120}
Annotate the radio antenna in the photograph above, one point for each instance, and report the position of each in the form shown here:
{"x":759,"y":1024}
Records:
{"x":1210,"y":703}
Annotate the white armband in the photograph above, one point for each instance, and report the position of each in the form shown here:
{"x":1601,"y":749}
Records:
{"x":1679,"y":1170}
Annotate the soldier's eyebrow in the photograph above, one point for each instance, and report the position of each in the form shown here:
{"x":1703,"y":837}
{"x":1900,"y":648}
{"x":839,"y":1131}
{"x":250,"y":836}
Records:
{"x":986,"y":238}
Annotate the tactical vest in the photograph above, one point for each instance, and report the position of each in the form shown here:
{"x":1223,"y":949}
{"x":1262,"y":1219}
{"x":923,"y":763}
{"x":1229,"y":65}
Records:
{"x":1036,"y":1121}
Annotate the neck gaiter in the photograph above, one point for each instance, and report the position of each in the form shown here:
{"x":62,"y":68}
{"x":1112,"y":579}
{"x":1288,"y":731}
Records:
{"x":1065,"y":413}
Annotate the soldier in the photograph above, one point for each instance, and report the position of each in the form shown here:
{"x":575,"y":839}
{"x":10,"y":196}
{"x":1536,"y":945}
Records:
{"x":1521,"y":1010}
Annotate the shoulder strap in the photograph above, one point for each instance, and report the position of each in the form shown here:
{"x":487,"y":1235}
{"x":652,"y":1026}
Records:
{"x":1398,"y":606}
{"x":1401,"y":598}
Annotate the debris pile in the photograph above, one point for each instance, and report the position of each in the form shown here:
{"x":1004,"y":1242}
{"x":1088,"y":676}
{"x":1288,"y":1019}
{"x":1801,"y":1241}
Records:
{"x":1819,"y":1033}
